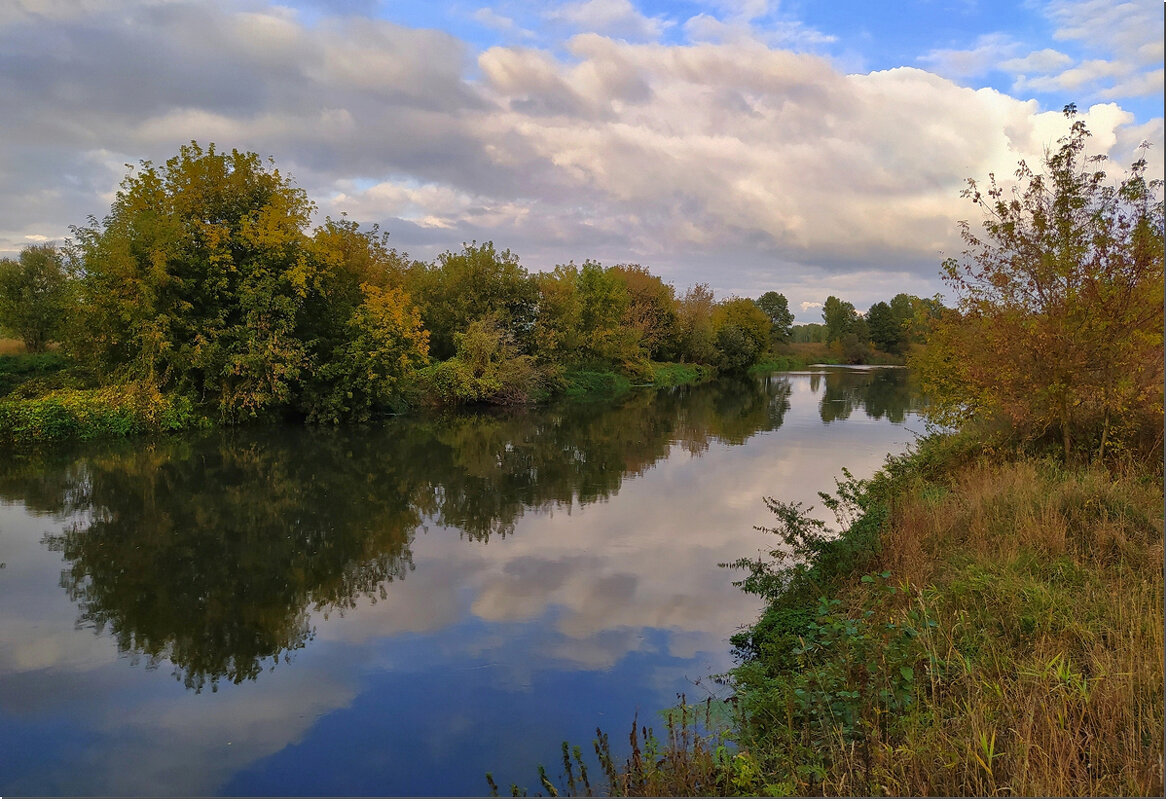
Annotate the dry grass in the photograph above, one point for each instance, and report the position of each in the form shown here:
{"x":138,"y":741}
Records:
{"x":1047,"y":663}
{"x":11,"y":347}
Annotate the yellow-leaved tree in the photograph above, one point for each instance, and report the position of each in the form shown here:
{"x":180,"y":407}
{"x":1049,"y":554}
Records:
{"x":1059,"y":329}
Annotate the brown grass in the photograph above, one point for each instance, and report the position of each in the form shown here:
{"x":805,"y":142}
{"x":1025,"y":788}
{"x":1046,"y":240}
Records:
{"x":1048,"y":591}
{"x":11,"y":347}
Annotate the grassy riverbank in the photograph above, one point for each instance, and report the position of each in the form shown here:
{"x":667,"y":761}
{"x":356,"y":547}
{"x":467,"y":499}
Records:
{"x":988,"y":623}
{"x":48,"y":398}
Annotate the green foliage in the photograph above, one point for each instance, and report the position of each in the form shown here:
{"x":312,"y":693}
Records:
{"x":202,"y":282}
{"x":34,"y":294}
{"x":583,"y":384}
{"x":19,"y":369}
{"x":472,"y":284}
{"x":384,"y":344}
{"x":839,"y":318}
{"x":487,"y":368}
{"x":775,"y":307}
{"x":742,"y":333}
{"x":885,"y":330}
{"x":696,"y":327}
{"x":194,"y":280}
{"x":604,"y":302}
{"x":92,"y":414}
{"x":810,"y":332}
{"x":670,"y":374}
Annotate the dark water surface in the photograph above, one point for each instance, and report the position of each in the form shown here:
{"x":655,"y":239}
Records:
{"x":396,"y":609}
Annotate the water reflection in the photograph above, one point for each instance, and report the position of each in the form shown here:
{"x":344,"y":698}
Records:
{"x":881,"y":393}
{"x":454,"y":594}
{"x":209,"y":552}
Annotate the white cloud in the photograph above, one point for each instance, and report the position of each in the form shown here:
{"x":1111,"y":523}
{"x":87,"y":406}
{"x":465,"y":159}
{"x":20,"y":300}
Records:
{"x":496,"y":21}
{"x":988,"y":52}
{"x":1122,"y":52}
{"x":613,"y":17}
{"x":736,"y":162}
{"x":1043,"y":61}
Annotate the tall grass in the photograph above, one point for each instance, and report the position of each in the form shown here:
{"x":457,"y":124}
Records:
{"x":985,"y":625}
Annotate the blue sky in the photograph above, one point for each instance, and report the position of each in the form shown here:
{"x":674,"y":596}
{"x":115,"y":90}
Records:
{"x":813,"y":148}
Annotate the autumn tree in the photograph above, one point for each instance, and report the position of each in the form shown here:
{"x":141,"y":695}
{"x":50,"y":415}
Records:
{"x":202,"y":281}
{"x":652,"y":311}
{"x":1059,"y":328}
{"x":33,"y":293}
{"x":695,"y":325}
{"x":742,"y":332}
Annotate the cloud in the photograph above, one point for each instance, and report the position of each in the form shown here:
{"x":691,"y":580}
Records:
{"x":612,"y":17}
{"x":1121,"y":44}
{"x":1046,"y":60}
{"x":988,"y":53}
{"x":496,"y":21}
{"x":736,"y":162}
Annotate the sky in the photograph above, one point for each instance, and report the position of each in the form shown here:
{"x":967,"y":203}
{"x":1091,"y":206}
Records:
{"x":805,"y":147}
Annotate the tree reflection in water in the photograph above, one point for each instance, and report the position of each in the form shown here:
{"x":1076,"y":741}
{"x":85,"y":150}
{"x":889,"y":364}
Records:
{"x":881,"y":393}
{"x":212,"y":551}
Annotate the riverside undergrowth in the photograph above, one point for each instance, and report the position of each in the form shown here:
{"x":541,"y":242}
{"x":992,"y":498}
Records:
{"x":985,"y":623}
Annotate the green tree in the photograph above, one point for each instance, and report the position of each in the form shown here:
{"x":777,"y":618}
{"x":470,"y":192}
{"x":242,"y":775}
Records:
{"x":775,"y":307}
{"x":469,"y":285}
{"x":384,"y":343}
{"x":1060,"y":324}
{"x":695,"y":325}
{"x":34,"y":290}
{"x":809,"y":332}
{"x":885,"y":329}
{"x":556,"y":335}
{"x":604,"y":302}
{"x":839,"y":318}
{"x":361,"y":331}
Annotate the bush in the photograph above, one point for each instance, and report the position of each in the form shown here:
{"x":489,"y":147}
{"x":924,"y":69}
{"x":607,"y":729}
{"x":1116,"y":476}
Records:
{"x":93,"y":414}
{"x":17,"y":369}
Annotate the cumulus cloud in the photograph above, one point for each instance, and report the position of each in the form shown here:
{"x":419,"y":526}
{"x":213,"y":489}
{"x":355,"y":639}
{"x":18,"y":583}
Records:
{"x":737,"y":162}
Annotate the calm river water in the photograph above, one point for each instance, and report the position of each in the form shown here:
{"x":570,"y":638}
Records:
{"x":396,"y":609}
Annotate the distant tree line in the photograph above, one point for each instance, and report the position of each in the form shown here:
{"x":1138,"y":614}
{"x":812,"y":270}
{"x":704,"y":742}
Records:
{"x":889,"y":328}
{"x":205,"y":282}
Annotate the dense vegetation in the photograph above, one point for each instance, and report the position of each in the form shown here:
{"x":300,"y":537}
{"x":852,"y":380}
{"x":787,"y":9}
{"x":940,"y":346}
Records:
{"x":203,"y":296}
{"x":989,"y":617}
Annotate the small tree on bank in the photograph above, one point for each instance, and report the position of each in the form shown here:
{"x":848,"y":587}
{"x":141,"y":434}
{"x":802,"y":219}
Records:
{"x":1059,"y":329}
{"x":33,"y":294}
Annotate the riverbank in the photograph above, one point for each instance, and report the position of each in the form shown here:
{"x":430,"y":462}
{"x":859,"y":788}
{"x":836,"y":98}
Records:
{"x":986,"y":623}
{"x":46,"y":398}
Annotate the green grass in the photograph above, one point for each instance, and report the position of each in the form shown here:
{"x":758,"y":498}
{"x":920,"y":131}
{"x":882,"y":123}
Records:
{"x":594,"y":384}
{"x":673,"y":374}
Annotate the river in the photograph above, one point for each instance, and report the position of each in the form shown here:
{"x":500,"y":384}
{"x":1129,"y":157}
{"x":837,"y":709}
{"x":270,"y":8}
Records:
{"x":396,"y":609}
